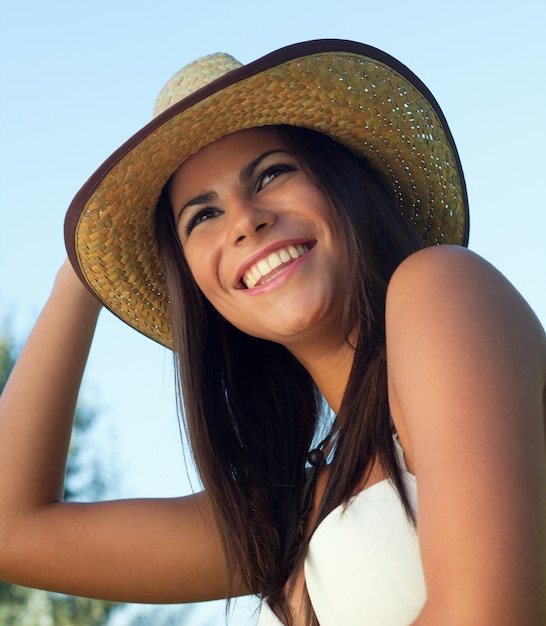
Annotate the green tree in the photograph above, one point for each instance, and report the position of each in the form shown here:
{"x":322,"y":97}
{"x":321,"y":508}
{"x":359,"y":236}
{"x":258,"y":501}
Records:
{"x":21,"y":606}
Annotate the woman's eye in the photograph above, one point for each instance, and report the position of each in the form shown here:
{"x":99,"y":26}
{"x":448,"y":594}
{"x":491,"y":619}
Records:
{"x":271,"y":172}
{"x":200,"y":216}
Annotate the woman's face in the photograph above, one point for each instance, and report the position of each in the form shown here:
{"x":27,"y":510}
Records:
{"x":259,"y":238}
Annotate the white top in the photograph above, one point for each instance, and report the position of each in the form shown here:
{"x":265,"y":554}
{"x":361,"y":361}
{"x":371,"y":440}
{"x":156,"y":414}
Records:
{"x":363,"y":565}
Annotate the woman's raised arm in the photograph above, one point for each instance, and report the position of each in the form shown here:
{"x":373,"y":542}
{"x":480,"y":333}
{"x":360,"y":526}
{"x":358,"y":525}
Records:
{"x":39,"y":399}
{"x":164,"y":550}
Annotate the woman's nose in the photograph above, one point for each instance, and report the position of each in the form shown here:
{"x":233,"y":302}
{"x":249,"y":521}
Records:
{"x":249,"y":221}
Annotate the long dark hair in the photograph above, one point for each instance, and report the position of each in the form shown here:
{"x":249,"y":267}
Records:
{"x":251,"y":410}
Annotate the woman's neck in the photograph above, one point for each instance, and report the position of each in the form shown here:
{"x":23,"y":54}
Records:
{"x":329,"y":367}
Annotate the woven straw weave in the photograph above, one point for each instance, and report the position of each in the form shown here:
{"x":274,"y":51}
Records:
{"x":362,"y":102}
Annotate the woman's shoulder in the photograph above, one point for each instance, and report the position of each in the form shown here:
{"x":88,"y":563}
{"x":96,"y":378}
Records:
{"x":466,"y":371}
{"x":450,"y":267}
{"x":458,"y":333}
{"x":452,"y":286}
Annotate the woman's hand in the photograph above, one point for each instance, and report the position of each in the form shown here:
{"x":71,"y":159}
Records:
{"x":67,"y":279}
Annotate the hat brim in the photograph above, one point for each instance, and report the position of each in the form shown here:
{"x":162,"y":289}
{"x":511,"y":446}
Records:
{"x":356,"y":94}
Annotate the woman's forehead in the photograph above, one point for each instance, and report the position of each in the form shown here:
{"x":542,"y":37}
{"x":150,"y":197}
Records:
{"x":246,"y":138}
{"x":229,"y":152}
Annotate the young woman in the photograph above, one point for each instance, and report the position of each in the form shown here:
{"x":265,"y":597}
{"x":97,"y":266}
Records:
{"x":278,"y":228}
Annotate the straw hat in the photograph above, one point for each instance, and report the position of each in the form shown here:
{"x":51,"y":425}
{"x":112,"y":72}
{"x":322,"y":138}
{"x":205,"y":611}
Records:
{"x":357,"y":94}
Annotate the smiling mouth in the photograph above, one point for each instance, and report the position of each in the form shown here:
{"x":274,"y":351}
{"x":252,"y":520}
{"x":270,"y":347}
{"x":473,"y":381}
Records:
{"x":273,"y":264}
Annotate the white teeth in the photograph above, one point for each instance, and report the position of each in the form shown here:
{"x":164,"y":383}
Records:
{"x":274,"y":260}
{"x":285,"y":257}
{"x":265,"y":266}
{"x":293,"y":252}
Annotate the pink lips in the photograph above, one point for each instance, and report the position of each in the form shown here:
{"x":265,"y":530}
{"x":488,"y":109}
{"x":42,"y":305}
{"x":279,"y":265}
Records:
{"x":270,"y":262}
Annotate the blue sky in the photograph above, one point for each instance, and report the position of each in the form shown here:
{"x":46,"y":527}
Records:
{"x":77,"y":79}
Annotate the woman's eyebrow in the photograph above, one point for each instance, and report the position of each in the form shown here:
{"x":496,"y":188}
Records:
{"x":244,"y":176}
{"x":247,"y":172}
{"x":203,"y":198}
